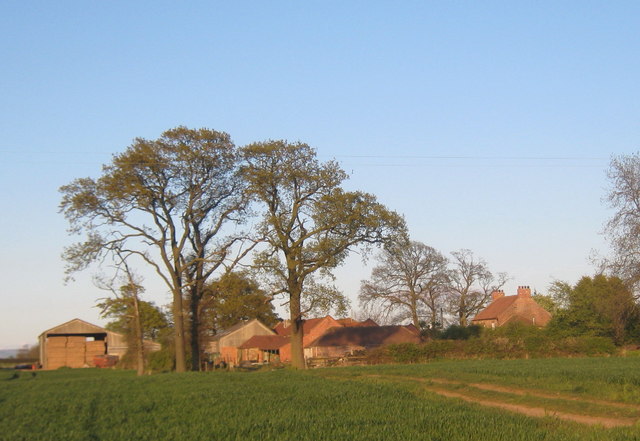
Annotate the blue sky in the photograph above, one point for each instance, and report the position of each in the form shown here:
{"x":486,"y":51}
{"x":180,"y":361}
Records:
{"x":489,"y":125}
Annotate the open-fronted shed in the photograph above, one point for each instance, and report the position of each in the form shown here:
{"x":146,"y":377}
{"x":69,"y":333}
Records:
{"x":76,"y":343}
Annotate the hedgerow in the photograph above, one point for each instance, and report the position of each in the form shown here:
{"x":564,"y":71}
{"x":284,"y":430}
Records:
{"x":509,"y":342}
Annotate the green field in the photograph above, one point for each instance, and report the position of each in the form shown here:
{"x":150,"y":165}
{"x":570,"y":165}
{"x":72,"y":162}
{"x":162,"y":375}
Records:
{"x":401,"y":402}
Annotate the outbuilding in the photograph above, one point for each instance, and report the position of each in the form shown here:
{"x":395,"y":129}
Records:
{"x":76,"y":343}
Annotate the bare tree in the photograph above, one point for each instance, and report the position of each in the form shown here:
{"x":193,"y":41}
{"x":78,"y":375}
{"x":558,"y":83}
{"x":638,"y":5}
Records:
{"x":408,"y":282}
{"x":470,"y":285}
{"x":623,"y":229}
{"x":165,"y":201}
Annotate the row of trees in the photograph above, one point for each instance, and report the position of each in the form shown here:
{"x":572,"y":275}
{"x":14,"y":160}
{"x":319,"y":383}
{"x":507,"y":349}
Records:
{"x":415,"y":281}
{"x":191,"y":206}
{"x":179,"y":204}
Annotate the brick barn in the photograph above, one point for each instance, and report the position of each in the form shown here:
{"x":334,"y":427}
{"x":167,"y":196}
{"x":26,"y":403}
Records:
{"x":338,"y":342}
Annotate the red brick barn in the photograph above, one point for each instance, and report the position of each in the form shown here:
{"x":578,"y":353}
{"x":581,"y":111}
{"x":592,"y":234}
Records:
{"x":338,"y":342}
{"x":311,"y":330}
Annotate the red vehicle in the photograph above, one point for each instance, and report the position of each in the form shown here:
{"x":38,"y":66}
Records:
{"x":105,"y":361}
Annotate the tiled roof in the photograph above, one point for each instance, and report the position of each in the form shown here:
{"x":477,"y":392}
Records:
{"x":353,"y":322}
{"x":307,"y":326}
{"x":412,"y":328}
{"x":496,"y":308}
{"x":365,"y":336}
{"x":265,"y":342}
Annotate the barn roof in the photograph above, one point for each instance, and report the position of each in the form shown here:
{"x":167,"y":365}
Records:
{"x":265,"y":342}
{"x":496,"y":308}
{"x":365,"y":336}
{"x":237,"y":327}
{"x":307,"y":325}
{"x":353,"y":322}
{"x":75,"y":326}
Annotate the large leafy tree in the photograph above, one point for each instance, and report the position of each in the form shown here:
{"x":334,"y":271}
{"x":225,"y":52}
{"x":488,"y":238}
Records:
{"x":600,"y":305}
{"x":234,"y":297}
{"x":470,"y":285}
{"x":166,"y":202}
{"x":309,"y":225}
{"x":409,"y":281}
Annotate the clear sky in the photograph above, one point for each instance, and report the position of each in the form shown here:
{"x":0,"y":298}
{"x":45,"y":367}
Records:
{"x":489,"y":125}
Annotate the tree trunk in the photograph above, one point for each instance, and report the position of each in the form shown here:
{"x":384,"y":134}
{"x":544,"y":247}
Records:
{"x":297,"y":349}
{"x":462,"y":311}
{"x":194,"y":304}
{"x":414,"y":313}
{"x":178,"y":324}
{"x":137,"y":323}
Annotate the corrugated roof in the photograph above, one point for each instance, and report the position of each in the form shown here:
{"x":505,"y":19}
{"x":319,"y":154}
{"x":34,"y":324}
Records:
{"x":75,"y":326}
{"x":496,"y":308}
{"x":236,"y":327}
{"x":366,"y":336}
{"x":265,"y":342}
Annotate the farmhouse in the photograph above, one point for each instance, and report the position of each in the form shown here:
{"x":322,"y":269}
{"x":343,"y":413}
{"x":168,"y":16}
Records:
{"x":508,"y":309}
{"x":76,"y":343}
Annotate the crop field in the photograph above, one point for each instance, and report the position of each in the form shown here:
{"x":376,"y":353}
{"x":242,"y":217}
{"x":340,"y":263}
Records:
{"x":552,"y":399}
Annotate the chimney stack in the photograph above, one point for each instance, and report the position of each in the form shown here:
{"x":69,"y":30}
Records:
{"x":496,"y":294}
{"x":524,"y":291}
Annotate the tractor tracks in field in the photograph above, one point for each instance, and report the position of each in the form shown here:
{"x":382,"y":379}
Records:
{"x":513,"y":399}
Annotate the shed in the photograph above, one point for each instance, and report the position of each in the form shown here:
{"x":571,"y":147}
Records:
{"x":75,"y":344}
{"x":225,"y":344}
{"x":263,"y":348}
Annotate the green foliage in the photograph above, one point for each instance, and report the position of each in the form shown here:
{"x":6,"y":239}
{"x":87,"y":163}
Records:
{"x":548,"y":302}
{"x":457,"y":332}
{"x":515,"y":340}
{"x":161,"y":361}
{"x":165,"y":203}
{"x":309,"y":225}
{"x":596,"y":306}
{"x":232,"y":298}
{"x":153,"y":320}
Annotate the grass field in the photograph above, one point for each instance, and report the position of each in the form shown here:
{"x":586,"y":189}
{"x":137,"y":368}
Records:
{"x":437,"y":401}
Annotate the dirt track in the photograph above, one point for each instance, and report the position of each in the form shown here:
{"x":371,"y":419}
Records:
{"x":534,"y":411}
